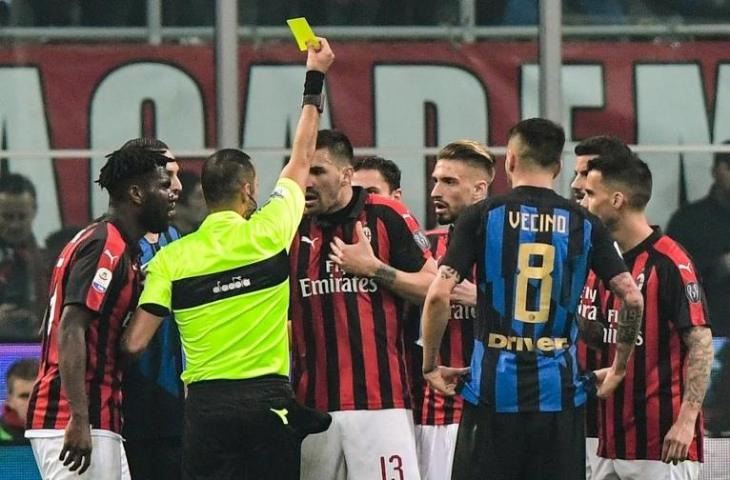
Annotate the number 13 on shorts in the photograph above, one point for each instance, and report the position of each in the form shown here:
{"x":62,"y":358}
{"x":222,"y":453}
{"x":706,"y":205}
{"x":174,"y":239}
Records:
{"x":391,"y":467}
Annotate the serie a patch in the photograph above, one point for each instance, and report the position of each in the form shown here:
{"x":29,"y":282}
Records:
{"x":101,"y":280}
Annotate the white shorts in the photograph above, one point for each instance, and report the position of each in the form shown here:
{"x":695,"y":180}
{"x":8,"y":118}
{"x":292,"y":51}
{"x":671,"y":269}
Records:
{"x":609,"y":469}
{"x":435,"y":446}
{"x":108,"y":461}
{"x":362,"y":445}
{"x":591,"y":456}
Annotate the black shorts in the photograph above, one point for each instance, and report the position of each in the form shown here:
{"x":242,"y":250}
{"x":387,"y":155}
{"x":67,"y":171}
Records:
{"x":520,"y":446}
{"x":244,"y":429}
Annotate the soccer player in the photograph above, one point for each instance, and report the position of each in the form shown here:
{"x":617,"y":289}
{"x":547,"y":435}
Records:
{"x":227,"y":285}
{"x":589,"y":149}
{"x":656,"y":414}
{"x":462,"y":175}
{"x":377,"y":175}
{"x":74,"y":417}
{"x":523,"y":412}
{"x":354,"y":259}
{"x":152,"y":392}
{"x":589,"y":359}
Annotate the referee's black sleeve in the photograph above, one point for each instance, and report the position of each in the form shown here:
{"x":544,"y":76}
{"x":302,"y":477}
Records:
{"x":605,"y":259}
{"x":464,"y":243}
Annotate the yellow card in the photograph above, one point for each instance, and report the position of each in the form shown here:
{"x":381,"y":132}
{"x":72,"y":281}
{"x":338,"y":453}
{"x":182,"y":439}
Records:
{"x":302,"y":32}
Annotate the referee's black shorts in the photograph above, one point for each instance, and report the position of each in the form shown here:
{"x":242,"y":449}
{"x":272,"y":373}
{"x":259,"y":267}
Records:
{"x":238,"y":429}
{"x":520,"y":446}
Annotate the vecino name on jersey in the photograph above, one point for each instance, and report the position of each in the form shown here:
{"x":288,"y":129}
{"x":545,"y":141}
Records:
{"x":538,"y":222}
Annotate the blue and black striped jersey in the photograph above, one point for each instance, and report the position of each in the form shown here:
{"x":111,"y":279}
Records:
{"x":533,"y":253}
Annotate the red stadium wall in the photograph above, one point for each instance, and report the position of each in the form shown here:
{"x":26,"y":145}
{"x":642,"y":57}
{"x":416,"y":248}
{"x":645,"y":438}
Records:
{"x":380,"y":94}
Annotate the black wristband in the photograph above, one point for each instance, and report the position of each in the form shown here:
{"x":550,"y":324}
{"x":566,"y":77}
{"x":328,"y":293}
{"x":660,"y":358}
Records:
{"x":313,"y":82}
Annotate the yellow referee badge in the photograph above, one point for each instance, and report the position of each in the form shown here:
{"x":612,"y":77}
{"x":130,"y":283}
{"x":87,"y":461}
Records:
{"x":302,"y":33}
{"x":282,"y":414}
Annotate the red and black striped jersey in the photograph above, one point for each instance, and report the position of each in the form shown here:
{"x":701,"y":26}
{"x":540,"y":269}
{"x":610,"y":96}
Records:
{"x":455,"y":351}
{"x":348,"y":331}
{"x":96,"y":269}
{"x":635,"y":419}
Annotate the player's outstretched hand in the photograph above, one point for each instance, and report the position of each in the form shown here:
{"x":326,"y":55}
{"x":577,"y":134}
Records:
{"x":607,"y":380}
{"x":320,"y":59}
{"x":76,"y":452}
{"x":445,"y":379}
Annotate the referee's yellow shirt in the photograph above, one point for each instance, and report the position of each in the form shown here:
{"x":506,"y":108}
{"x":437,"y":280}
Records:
{"x":228,"y":285}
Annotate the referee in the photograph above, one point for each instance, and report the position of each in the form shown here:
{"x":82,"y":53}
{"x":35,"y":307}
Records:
{"x":228,"y":287}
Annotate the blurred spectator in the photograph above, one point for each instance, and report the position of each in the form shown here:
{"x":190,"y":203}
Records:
{"x":20,"y":379}
{"x":190,"y":209}
{"x":4,"y":12}
{"x":703,"y":228}
{"x":22,"y":280}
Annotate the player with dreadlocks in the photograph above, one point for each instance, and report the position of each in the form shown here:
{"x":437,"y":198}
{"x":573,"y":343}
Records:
{"x":74,"y":416}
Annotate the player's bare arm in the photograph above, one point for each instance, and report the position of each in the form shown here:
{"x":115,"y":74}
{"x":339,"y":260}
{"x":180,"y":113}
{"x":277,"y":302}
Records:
{"x":359,"y":259}
{"x":76,"y":452}
{"x":140,"y":331}
{"x":699,"y":364}
{"x":305,"y":137}
{"x":434,"y":320}
{"x":591,"y":331}
{"x":629,"y":324}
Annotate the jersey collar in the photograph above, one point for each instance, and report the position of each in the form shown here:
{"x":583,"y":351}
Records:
{"x":644,"y":245}
{"x":347,"y":214}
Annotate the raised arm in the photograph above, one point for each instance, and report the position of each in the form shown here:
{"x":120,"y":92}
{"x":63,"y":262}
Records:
{"x":305,"y":137}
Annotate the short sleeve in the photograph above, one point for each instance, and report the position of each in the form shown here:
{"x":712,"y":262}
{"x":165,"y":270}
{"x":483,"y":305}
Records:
{"x":158,"y":282}
{"x":605,"y":259}
{"x":281,"y":214}
{"x":93,"y":271}
{"x":681,"y":293}
{"x":409,"y":247}
{"x":462,"y":251}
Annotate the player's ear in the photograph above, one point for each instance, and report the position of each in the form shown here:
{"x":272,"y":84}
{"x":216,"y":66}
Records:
{"x":346,"y":175}
{"x":618,"y":200}
{"x":480,"y":189}
{"x":135,"y":193}
{"x":397,"y":193}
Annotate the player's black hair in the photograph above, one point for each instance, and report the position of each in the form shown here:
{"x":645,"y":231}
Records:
{"x":337,"y":144}
{"x":224,"y":173}
{"x":387,"y":168}
{"x":542,"y":139}
{"x":148,"y":143}
{"x":602,"y":145}
{"x":127,"y":165}
{"x":628,"y":172}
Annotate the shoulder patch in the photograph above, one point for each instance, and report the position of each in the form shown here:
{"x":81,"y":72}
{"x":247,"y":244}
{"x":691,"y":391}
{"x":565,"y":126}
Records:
{"x":693,"y":292}
{"x":421,"y":240}
{"x":101,"y":280}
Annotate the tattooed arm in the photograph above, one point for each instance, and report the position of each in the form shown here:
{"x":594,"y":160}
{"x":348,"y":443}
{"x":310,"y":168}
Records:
{"x":700,"y":355}
{"x":629,"y":324}
{"x":435,"y":316}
